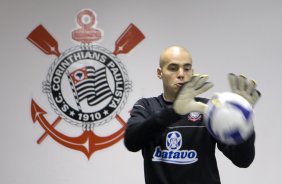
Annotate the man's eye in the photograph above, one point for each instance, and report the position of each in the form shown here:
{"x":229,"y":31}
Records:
{"x":173,"y":68}
{"x":187,"y":69}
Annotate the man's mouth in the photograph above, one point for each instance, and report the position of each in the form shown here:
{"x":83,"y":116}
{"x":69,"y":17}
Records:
{"x":180,"y":84}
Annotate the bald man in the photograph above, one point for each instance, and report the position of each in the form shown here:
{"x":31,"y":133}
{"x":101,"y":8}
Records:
{"x":169,"y":129}
{"x":175,"y":69}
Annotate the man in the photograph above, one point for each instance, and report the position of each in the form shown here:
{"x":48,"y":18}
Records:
{"x":169,"y":129}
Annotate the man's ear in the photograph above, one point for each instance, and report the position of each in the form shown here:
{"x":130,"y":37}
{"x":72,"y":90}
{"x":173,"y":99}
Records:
{"x":159,"y":73}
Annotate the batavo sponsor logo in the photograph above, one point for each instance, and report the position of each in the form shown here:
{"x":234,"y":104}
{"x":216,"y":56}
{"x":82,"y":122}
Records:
{"x":87,"y":85}
{"x":173,"y":154}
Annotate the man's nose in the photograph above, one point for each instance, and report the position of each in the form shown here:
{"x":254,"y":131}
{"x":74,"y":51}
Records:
{"x":180,"y":73}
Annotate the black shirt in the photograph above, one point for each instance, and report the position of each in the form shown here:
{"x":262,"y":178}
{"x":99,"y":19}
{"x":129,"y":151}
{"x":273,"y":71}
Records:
{"x":178,"y":149}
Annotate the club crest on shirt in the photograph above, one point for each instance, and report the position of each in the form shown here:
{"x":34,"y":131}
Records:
{"x":173,"y":154}
{"x":195,"y":116}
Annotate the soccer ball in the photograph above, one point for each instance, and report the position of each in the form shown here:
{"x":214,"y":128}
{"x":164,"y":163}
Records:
{"x":229,"y":118}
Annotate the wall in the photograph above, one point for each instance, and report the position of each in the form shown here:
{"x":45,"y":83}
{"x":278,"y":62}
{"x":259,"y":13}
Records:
{"x":243,"y":37}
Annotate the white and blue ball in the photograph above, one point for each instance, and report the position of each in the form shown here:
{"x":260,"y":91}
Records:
{"x":229,"y":118}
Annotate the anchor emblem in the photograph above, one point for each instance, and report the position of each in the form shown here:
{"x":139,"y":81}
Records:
{"x":87,"y":85}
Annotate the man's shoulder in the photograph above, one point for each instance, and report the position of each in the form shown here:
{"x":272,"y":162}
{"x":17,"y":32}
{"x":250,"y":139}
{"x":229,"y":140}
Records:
{"x":159,"y":99}
{"x":149,"y":101}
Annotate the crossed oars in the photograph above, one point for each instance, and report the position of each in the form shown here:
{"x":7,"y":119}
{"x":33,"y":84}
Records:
{"x":42,"y":39}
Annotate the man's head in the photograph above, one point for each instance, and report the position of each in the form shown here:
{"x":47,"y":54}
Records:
{"x":175,"y":69}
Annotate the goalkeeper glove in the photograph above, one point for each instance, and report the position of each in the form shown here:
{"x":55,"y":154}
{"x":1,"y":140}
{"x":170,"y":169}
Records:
{"x":242,"y":86}
{"x":185,"y":101}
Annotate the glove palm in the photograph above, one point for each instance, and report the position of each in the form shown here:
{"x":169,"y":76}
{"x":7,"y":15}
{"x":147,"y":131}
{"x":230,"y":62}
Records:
{"x":247,"y":89}
{"x":185,"y":101}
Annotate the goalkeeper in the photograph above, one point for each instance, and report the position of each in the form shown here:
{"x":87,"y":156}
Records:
{"x":169,"y":129}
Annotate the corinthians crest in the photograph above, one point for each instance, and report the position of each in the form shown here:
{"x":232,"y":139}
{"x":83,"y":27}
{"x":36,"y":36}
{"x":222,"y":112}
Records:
{"x":87,"y":85}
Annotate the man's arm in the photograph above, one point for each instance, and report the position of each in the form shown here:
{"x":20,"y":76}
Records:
{"x":241,"y":155}
{"x":144,"y":126}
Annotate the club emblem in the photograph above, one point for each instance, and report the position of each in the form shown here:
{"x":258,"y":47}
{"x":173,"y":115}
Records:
{"x":87,"y":85}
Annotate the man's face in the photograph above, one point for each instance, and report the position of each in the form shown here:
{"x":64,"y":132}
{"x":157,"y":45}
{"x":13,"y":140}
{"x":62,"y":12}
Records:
{"x":175,"y":71}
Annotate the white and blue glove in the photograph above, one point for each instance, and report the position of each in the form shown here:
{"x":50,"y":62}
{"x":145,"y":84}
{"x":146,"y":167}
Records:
{"x":244,"y":87}
{"x":185,"y":102}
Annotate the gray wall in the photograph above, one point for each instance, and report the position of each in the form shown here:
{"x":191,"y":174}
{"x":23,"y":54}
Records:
{"x":243,"y":36}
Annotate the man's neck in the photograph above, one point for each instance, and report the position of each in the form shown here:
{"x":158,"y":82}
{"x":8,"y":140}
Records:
{"x":168,"y":99}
